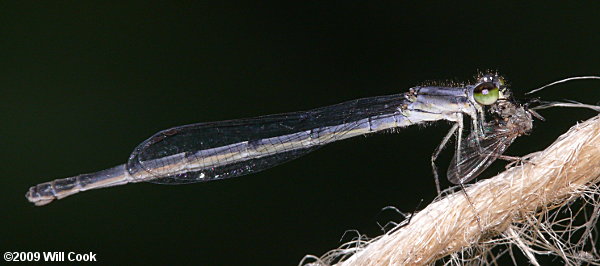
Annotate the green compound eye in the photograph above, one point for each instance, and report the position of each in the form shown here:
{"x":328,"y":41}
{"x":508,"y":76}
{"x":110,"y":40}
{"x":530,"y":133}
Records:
{"x":486,"y":93}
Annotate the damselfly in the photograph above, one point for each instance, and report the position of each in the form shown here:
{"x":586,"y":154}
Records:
{"x":217,"y":150}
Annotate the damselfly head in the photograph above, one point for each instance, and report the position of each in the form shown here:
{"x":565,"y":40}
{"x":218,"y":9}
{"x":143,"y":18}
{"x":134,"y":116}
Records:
{"x":489,"y":89}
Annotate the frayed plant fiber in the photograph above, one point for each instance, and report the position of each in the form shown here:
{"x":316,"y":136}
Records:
{"x":519,"y":208}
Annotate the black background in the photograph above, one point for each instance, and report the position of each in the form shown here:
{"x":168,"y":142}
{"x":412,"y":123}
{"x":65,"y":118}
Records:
{"x":83,"y":83}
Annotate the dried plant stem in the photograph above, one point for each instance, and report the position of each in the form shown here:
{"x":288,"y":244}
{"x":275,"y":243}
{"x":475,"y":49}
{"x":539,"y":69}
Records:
{"x":549,"y":179}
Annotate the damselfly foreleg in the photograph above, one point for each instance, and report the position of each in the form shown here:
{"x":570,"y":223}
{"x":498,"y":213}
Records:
{"x":457,"y":125}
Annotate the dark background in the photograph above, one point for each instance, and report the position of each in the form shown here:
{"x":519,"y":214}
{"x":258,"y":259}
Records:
{"x":82,"y":84}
